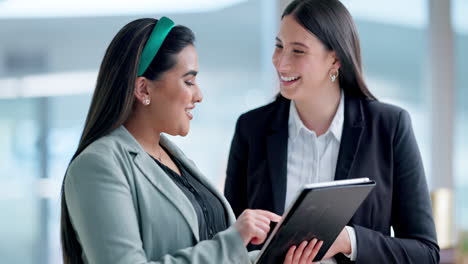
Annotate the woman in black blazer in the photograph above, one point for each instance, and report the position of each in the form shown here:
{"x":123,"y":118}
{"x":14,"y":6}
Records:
{"x":322,"y":89}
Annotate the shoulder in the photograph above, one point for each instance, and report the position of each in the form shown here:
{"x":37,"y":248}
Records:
{"x":386,"y":119}
{"x":264,"y":114}
{"x":106,"y":155}
{"x":106,"y":147}
{"x":101,"y":169}
{"x":377,"y":111}
{"x":260,"y":112}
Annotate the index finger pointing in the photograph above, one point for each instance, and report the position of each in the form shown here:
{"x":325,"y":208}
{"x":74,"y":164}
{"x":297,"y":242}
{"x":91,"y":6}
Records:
{"x":272,"y":216}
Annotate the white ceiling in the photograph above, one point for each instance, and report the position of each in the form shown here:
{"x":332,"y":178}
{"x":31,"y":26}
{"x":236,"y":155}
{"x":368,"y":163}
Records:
{"x":412,"y":13}
{"x":80,"y":8}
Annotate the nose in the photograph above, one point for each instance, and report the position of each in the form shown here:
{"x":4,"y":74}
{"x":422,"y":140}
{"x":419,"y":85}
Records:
{"x":281,"y":62}
{"x":198,"y":96}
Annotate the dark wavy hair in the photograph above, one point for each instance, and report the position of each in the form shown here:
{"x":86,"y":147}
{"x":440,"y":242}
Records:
{"x":113,"y":98}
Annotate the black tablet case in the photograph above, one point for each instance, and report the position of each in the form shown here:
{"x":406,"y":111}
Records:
{"x":320,"y":213}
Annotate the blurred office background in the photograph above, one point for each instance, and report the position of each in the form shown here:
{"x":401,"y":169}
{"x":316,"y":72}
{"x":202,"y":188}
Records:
{"x":415,"y":55}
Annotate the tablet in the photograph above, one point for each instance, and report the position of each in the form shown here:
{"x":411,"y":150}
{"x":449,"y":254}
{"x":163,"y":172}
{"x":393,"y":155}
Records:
{"x":321,"y":211}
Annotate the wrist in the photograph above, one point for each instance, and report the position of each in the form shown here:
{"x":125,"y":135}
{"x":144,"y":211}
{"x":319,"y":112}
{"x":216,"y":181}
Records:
{"x":346,"y":248}
{"x":346,"y":245}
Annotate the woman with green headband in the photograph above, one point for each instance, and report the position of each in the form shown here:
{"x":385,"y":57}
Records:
{"x":129,"y":194}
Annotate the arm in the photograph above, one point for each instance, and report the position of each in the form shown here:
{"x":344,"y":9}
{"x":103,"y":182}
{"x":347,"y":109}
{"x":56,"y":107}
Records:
{"x":102,"y":211}
{"x":415,"y":237}
{"x":235,"y":188}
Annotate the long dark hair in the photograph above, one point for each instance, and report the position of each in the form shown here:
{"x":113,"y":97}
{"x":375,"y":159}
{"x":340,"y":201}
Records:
{"x":332,"y":24}
{"x":113,"y":98}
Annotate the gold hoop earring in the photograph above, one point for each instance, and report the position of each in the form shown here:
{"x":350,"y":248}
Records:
{"x":334,"y":76}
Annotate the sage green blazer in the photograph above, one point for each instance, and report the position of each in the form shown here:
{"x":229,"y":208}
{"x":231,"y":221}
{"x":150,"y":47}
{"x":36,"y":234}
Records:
{"x":126,"y":209}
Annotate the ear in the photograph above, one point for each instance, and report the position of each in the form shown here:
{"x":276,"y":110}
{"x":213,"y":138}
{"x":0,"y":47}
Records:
{"x":336,"y":64}
{"x":141,"y":91}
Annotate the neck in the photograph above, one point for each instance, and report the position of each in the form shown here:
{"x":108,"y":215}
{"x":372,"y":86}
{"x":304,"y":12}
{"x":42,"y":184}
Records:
{"x":317,"y":110}
{"x":143,"y":131}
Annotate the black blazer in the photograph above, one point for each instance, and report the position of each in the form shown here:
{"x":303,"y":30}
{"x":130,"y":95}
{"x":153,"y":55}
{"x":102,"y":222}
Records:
{"x":378,"y":143}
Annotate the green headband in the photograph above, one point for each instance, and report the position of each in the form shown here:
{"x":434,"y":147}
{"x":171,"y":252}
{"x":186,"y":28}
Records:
{"x":159,"y":33}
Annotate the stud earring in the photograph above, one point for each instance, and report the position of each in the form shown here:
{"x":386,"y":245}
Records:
{"x":334,"y":76}
{"x":146,"y":101}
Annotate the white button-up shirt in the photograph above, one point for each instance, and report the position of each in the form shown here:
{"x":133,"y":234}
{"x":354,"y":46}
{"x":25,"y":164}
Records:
{"x":313,"y":159}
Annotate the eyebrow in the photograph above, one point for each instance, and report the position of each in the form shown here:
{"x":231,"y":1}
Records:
{"x":194,"y":73}
{"x":294,"y":43}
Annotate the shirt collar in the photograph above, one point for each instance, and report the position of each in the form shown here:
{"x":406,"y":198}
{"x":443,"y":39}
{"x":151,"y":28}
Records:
{"x":295,"y":123}
{"x":336,"y":126}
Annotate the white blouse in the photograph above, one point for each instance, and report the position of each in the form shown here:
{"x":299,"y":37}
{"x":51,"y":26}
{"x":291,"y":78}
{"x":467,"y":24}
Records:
{"x":313,"y":159}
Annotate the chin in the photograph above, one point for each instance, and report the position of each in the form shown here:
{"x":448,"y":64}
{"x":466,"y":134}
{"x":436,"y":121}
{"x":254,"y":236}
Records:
{"x":288,"y":93}
{"x":184,"y":130}
{"x":184,"y":133}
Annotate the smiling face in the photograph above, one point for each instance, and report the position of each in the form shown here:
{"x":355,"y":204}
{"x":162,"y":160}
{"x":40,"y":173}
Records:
{"x":174,"y":94}
{"x":302,"y":62}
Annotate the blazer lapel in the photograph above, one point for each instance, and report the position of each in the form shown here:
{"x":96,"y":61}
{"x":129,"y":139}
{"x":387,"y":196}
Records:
{"x":352,"y":134}
{"x":160,"y":180}
{"x":168,"y":188}
{"x":277,"y":151}
{"x":192,"y":168}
